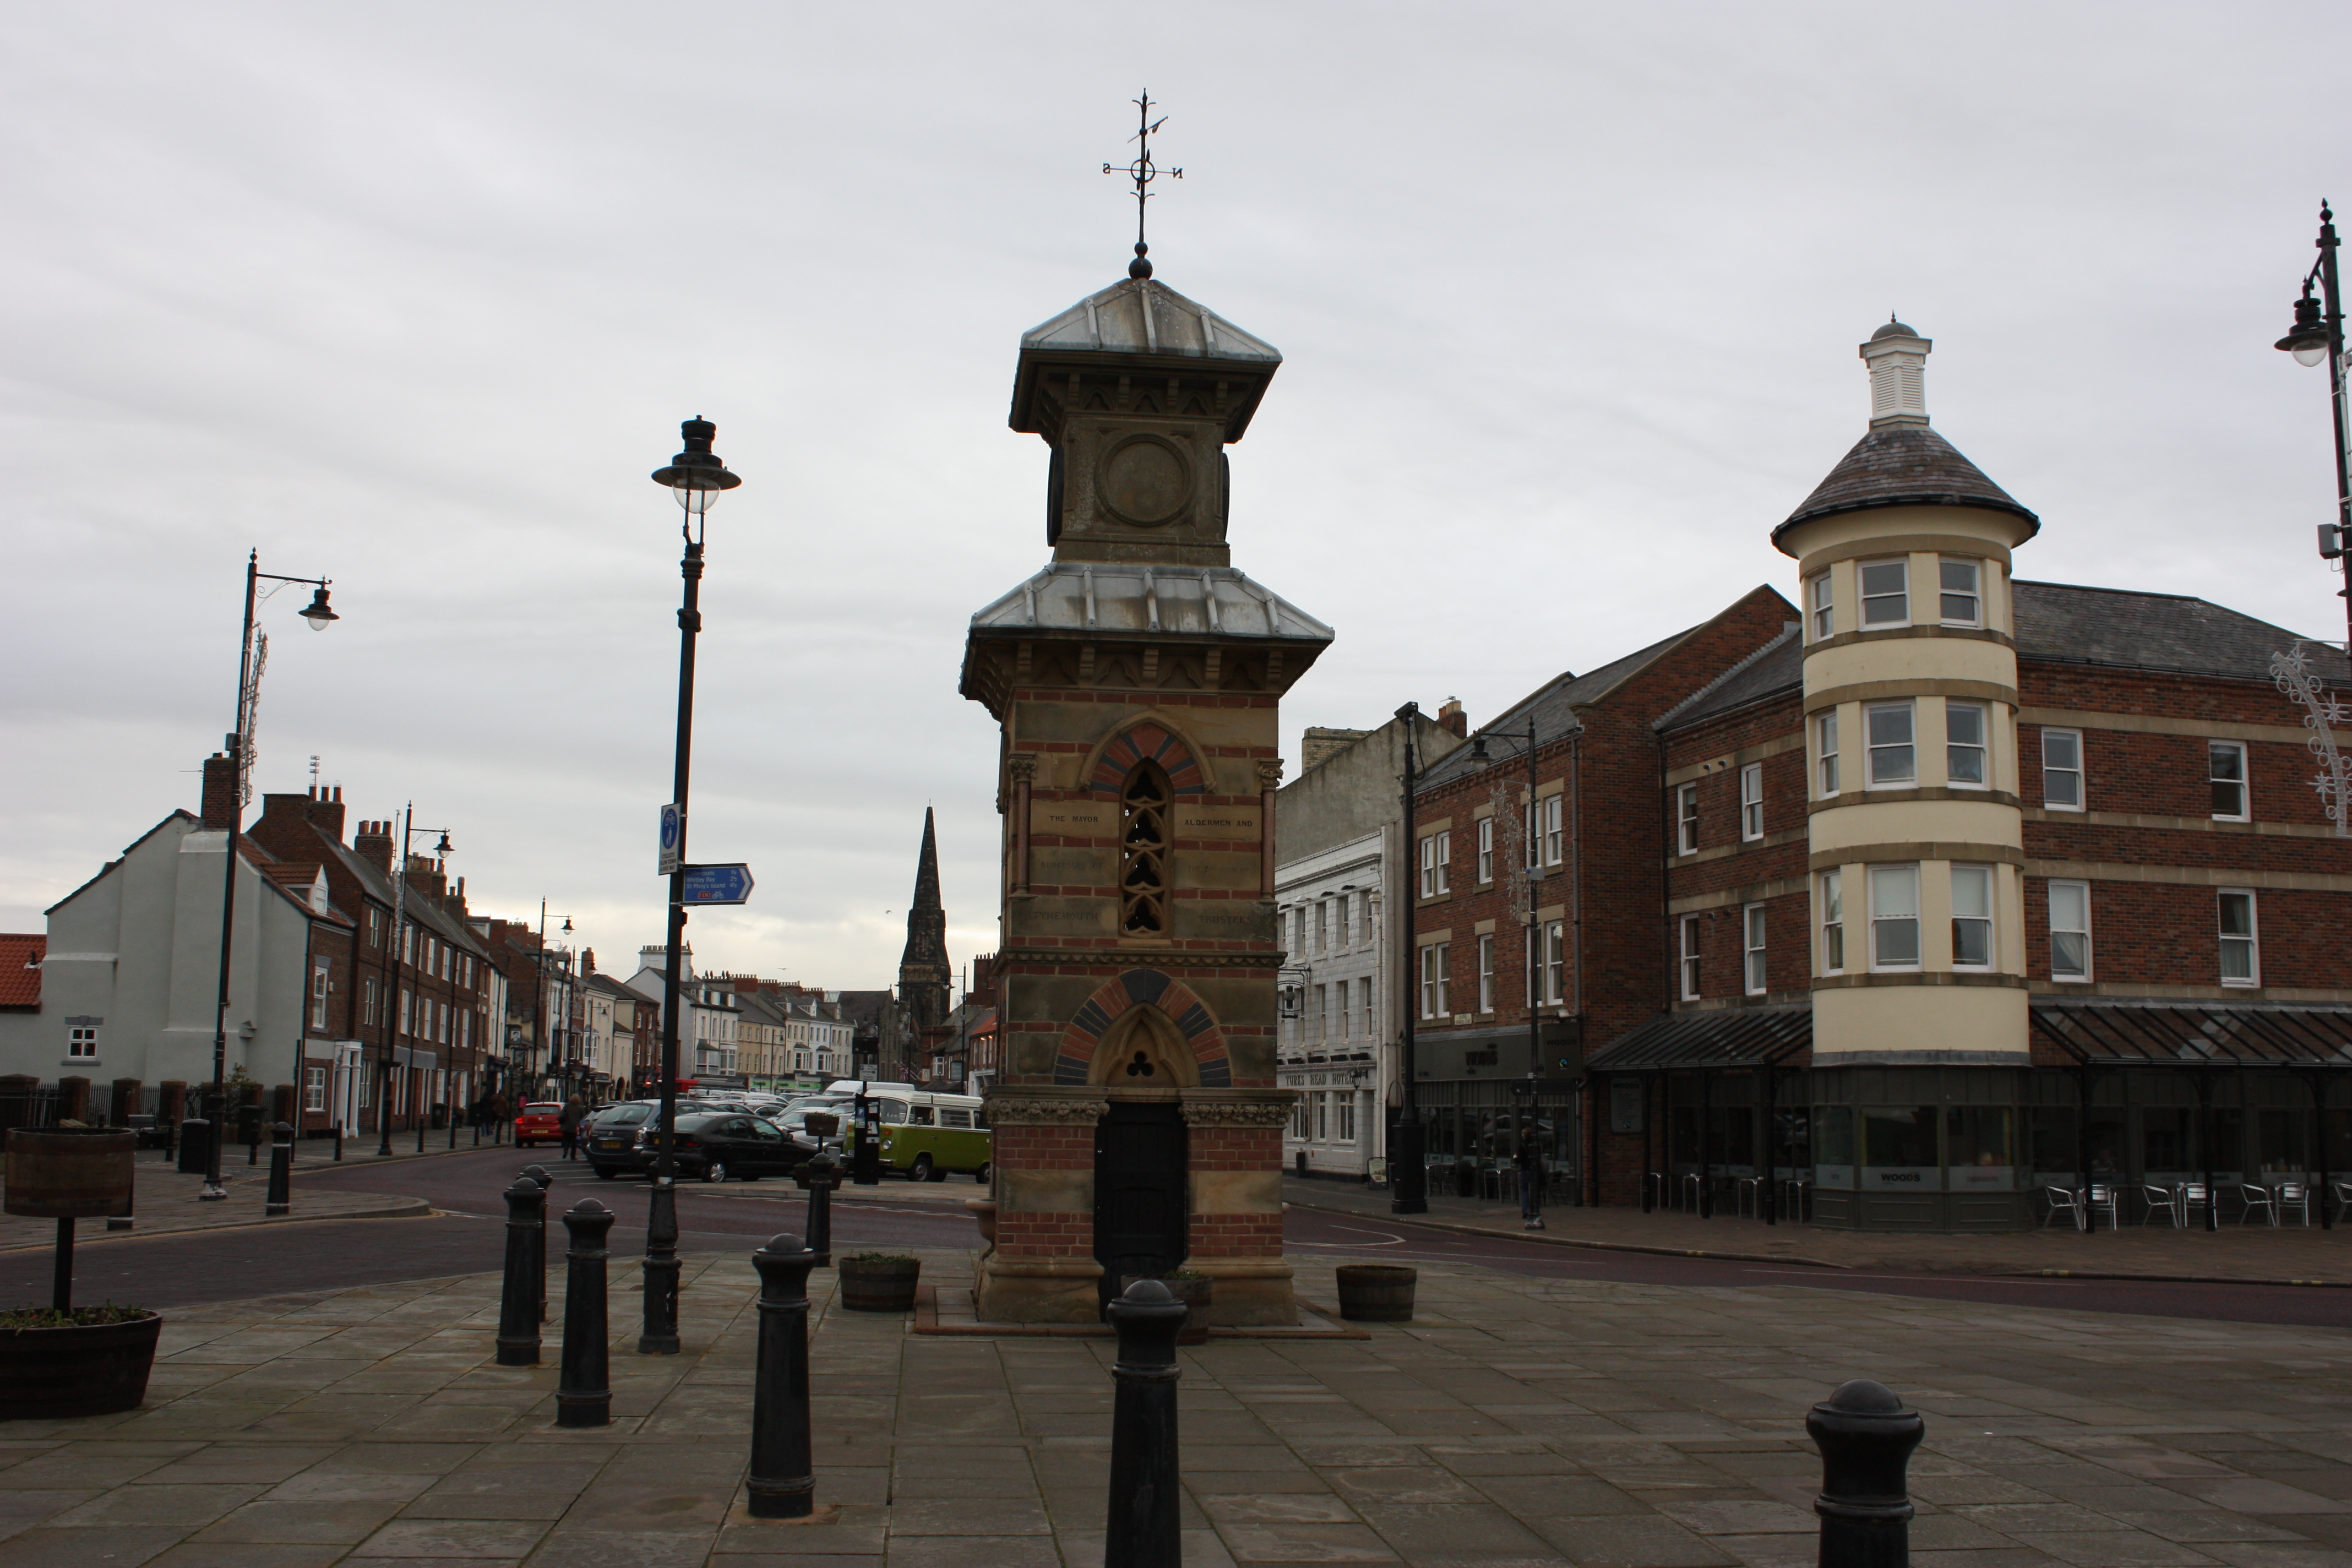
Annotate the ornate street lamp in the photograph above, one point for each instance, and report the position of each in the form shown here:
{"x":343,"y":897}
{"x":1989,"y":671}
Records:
{"x":2318,"y":337}
{"x":239,"y":748}
{"x":696,"y":478}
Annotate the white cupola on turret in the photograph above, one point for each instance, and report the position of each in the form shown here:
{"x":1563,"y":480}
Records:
{"x":1897,"y":358}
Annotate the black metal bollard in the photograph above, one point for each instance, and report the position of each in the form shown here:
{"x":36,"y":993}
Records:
{"x":279,"y":1199}
{"x":1144,"y":1498}
{"x":583,"y":1393}
{"x":339,"y":1143}
{"x":1865,"y":1437}
{"x":782,"y":1480}
{"x":537,"y":1175}
{"x":819,"y":1176}
{"x":520,"y":1307}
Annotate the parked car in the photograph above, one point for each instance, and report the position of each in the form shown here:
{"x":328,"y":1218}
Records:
{"x":609,"y":1138}
{"x":715,"y":1145}
{"x":539,"y":1123}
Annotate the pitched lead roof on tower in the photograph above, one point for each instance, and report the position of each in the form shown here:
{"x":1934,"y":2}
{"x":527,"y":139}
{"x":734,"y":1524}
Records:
{"x":1142,"y":323}
{"x":1903,"y":465}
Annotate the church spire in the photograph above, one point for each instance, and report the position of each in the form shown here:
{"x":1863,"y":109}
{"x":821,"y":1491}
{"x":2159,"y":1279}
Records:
{"x":924,"y":976}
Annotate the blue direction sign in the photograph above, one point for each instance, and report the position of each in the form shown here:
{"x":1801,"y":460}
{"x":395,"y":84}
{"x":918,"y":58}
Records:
{"x":719,"y":884}
{"x":673,"y":832}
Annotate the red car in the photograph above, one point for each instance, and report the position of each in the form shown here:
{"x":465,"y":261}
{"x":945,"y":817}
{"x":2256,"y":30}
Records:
{"x":541,"y":1124}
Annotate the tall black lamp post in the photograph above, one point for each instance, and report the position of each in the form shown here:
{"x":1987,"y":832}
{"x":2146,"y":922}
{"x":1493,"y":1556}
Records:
{"x":2317,"y":337}
{"x":696,"y":478}
{"x":320,"y":616}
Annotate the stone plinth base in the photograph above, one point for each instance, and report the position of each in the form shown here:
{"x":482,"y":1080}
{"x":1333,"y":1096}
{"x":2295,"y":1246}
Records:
{"x":1251,"y":1293}
{"x":1038,"y":1290}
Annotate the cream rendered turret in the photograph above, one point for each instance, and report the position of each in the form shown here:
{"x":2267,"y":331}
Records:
{"x":1916,"y":830}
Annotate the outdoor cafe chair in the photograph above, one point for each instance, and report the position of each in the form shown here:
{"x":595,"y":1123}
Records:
{"x":2062,"y":1200}
{"x":2161,"y":1201}
{"x":2193,"y":1197}
{"x":1691,"y":1187}
{"x":2343,"y":1195}
{"x":1793,"y":1193}
{"x":2295,"y":1196}
{"x":2104,"y":1196}
{"x":2255,"y":1197}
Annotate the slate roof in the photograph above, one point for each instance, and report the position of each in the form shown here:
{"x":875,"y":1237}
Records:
{"x":20,"y":970}
{"x":1903,"y":465}
{"x":418,"y":910}
{"x":2065,"y":623}
{"x":1778,"y":666}
{"x":1554,"y":706}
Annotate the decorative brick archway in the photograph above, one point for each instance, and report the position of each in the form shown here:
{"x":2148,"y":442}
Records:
{"x":1154,"y":741}
{"x":1074,"y":1063}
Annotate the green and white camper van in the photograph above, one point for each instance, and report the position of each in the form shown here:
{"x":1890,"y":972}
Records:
{"x":924,"y":1135}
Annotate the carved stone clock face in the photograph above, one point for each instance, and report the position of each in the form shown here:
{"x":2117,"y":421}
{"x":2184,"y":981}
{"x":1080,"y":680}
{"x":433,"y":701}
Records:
{"x":1145,"y":481}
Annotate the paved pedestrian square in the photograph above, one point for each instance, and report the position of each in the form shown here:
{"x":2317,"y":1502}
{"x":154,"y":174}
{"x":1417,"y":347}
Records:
{"x":1517,"y":1420}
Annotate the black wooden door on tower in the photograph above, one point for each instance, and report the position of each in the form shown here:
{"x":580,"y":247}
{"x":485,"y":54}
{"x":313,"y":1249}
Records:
{"x":1140,"y":1205}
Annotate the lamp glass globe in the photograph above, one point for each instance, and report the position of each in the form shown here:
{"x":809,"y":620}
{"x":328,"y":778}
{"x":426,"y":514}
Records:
{"x":2310,"y":352}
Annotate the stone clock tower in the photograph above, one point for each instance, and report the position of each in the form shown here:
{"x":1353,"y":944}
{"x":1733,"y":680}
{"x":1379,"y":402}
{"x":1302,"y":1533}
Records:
{"x":1137,"y":679}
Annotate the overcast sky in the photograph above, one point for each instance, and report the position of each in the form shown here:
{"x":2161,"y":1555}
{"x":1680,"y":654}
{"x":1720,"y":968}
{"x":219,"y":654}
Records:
{"x":414,"y":296}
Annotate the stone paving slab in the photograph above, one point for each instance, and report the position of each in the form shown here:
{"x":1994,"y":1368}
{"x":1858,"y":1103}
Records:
{"x":1516,"y":1421}
{"x":2289,"y":1254}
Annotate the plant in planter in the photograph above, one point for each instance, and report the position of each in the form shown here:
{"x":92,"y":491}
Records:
{"x":1195,"y":1290}
{"x":58,"y":1360}
{"x":879,"y":1282}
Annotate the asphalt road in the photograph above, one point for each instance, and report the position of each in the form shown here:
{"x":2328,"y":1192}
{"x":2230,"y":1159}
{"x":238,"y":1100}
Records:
{"x":466,"y":1236}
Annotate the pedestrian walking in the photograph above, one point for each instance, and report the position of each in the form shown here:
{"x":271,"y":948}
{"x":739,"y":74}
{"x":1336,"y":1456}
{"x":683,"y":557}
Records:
{"x":1530,"y":1163}
{"x":570,"y":1123}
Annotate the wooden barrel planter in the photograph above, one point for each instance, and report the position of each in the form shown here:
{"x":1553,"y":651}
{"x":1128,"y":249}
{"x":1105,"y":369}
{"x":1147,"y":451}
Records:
{"x":1377,"y":1292}
{"x":1197,"y":1291}
{"x":82,"y":1369}
{"x":877,"y":1282}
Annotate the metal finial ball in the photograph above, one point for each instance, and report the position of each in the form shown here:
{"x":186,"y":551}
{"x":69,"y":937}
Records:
{"x":1142,"y":266}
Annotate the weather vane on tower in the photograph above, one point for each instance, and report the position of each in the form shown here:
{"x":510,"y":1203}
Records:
{"x":1142,"y":172}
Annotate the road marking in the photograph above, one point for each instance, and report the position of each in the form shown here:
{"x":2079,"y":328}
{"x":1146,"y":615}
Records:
{"x":1393,"y":1239}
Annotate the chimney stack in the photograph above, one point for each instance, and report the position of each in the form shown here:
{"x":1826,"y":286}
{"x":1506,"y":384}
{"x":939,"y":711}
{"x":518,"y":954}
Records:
{"x":373,"y":843}
{"x":220,"y":802}
{"x":1452,"y":717}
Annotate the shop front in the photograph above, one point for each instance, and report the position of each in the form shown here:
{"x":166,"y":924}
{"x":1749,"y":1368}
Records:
{"x":2153,"y":1105}
{"x":1483,"y":1096}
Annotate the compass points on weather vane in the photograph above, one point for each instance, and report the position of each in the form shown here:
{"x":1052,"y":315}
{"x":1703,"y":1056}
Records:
{"x":1142,"y":170}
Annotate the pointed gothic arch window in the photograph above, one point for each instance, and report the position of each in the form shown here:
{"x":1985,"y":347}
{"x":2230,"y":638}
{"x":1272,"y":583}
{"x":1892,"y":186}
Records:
{"x":1143,"y":851}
